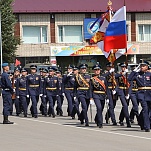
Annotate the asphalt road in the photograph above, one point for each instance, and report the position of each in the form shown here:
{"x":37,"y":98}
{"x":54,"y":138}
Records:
{"x":65,"y":134}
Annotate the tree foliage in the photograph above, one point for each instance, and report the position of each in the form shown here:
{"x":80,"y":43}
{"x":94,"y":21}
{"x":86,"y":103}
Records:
{"x":9,"y":41}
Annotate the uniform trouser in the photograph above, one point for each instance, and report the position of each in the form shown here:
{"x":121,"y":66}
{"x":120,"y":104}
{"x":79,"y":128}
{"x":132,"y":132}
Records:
{"x":17,"y":105}
{"x":75,"y":108}
{"x":34,"y":100}
{"x":59,"y":104}
{"x":43,"y":105}
{"x":7,"y":104}
{"x":51,"y":100}
{"x":100,"y":106}
{"x":85,"y":104}
{"x":134,"y":110}
{"x":69,"y":96}
{"x":124,"y":110}
{"x":24,"y":104}
{"x":145,"y":113}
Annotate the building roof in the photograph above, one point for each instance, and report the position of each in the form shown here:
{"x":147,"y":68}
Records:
{"x":60,"y":6}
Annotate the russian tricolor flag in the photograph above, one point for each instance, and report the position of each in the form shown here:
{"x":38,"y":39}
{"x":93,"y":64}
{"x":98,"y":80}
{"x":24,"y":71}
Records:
{"x":115,"y":36}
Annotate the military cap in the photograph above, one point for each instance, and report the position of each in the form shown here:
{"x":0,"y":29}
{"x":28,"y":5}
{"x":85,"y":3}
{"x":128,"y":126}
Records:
{"x":109,"y":64}
{"x":75,"y":68}
{"x":51,"y":69}
{"x":122,"y":64}
{"x":83,"y":66}
{"x":10,"y":73}
{"x":144,"y":62}
{"x":45,"y":71}
{"x":23,"y":70}
{"x":4,"y":64}
{"x":70,"y":66}
{"x":59,"y":71}
{"x":95,"y":67}
{"x":41,"y":69}
{"x":17,"y":69}
{"x":33,"y":67}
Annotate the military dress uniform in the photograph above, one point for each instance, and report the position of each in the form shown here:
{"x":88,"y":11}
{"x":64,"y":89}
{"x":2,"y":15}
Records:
{"x":143,"y":80}
{"x":98,"y":91}
{"x":43,"y":106}
{"x":60,"y":97}
{"x":51,"y":89}
{"x":82,"y":93}
{"x":112,"y":85}
{"x":69,"y":82}
{"x":122,"y":92}
{"x":22,"y":92}
{"x":34,"y":86}
{"x":7,"y":92}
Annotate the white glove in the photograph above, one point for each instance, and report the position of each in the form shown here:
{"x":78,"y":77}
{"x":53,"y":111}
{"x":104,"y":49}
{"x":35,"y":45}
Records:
{"x":17,"y":97}
{"x":91,"y":101}
{"x":63,"y":94}
{"x":126,"y":71}
{"x":107,"y":101}
{"x":112,"y":70}
{"x":113,"y":92}
{"x":127,"y":96}
{"x":69,"y":74}
{"x":45,"y":96}
{"x":27,"y":96}
{"x":14,"y":90}
{"x":137,"y":69}
{"x":75,"y":98}
{"x":41,"y":95}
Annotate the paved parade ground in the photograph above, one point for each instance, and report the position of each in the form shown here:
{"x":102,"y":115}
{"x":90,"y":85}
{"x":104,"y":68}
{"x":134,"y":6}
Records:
{"x":65,"y":134}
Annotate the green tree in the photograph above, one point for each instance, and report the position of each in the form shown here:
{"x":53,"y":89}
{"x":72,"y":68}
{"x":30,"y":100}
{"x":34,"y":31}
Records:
{"x":9,"y":41}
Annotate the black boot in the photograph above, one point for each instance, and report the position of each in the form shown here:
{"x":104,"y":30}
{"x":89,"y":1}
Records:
{"x":6,"y":121}
{"x":128,"y":122}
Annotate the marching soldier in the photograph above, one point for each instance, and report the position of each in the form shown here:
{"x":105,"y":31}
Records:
{"x":132,"y":92}
{"x":98,"y":91}
{"x":60,"y":97}
{"x":22,"y":91}
{"x":82,"y":92}
{"x":43,"y":106}
{"x":143,"y":80}
{"x":112,"y":85}
{"x":51,"y":89}
{"x":7,"y":92}
{"x":123,"y":93}
{"x":33,"y":85}
{"x":69,"y":82}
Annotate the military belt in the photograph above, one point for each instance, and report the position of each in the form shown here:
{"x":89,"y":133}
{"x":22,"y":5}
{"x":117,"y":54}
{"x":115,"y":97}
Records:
{"x":51,"y":88}
{"x":6,"y":89}
{"x":124,"y":88}
{"x":23,"y":89}
{"x":99,"y":92}
{"x":82,"y":88}
{"x":110,"y":87}
{"x":69,"y":88}
{"x":33,"y":86}
{"x":144,"y":88}
{"x":134,"y":89}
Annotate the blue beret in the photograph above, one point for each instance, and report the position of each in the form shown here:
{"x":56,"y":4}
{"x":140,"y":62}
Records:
{"x":83,"y":66}
{"x":4,"y":64}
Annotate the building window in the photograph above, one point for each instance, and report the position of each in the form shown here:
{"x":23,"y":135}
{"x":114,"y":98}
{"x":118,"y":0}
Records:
{"x":70,"y":34}
{"x":144,"y":33}
{"x":35,"y":34}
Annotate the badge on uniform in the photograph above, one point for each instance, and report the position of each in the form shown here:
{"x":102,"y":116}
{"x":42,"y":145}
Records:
{"x":147,"y":78}
{"x":37,"y":78}
{"x":88,"y":80}
{"x":55,"y":81}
